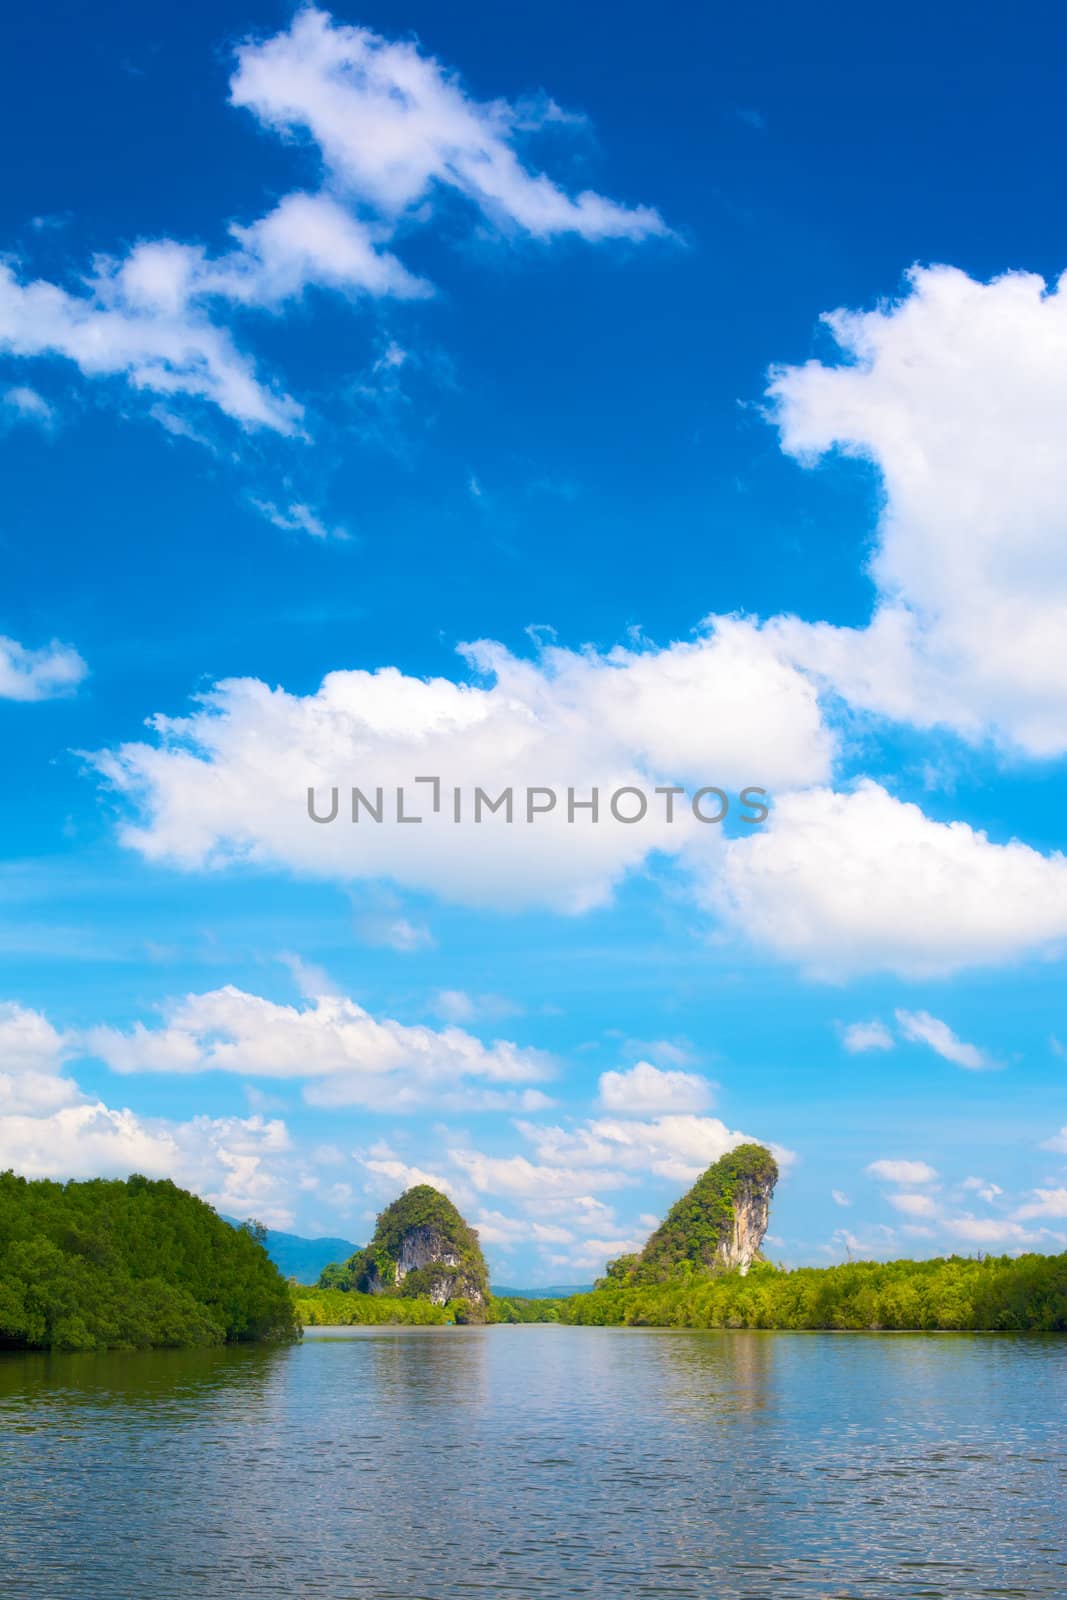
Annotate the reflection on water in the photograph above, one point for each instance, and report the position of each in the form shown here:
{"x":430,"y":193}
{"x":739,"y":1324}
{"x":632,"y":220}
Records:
{"x":396,"y":1464}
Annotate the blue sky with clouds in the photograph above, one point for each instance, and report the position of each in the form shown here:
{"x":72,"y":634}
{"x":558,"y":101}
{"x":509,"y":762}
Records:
{"x":536,"y":399}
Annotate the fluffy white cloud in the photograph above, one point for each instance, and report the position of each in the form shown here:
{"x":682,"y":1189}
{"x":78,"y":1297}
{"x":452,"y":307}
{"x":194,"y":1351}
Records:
{"x":644,"y":1089}
{"x":346,"y":1056}
{"x":1058,"y":1142}
{"x":394,"y":128}
{"x":921,"y":1028}
{"x":43,"y":674}
{"x":31,"y":1054}
{"x":839,"y":1198}
{"x":957,"y":393}
{"x":861,"y":1036}
{"x":228,"y":1161}
{"x":860,"y":881}
{"x":518,"y":1176}
{"x":902,"y":1171}
{"x":722,"y":710}
{"x":677,"y":1146}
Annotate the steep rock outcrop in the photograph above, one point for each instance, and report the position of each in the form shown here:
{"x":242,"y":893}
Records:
{"x":423,"y":1248}
{"x":718,"y":1226}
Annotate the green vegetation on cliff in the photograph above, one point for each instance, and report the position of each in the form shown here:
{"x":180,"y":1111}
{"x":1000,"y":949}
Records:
{"x":1021,"y":1294}
{"x":129,"y":1265}
{"x":421,"y":1249}
{"x":699,"y":1231}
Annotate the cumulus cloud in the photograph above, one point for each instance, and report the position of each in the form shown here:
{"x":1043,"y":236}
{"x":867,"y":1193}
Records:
{"x":860,"y":881}
{"x":345,"y":1056}
{"x":921,"y":1028}
{"x":956,"y":392}
{"x":858,"y":1037}
{"x":677,"y":1146}
{"x":49,"y":1128}
{"x":645,"y":1088}
{"x":31,"y":1055}
{"x":720,"y":710}
{"x":45,"y":674}
{"x":902,"y":1171}
{"x":228,"y":1161}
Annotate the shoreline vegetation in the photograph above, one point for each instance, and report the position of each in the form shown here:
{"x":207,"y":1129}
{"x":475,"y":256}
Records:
{"x":142,"y":1264}
{"x":131,"y":1265}
{"x":990,"y":1294}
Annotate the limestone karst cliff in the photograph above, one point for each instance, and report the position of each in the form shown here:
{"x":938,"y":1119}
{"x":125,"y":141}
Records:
{"x":717,"y":1226}
{"x":422,"y":1248}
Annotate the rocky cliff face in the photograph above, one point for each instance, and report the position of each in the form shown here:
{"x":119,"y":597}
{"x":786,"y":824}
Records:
{"x":718,"y":1226}
{"x":422,"y":1247}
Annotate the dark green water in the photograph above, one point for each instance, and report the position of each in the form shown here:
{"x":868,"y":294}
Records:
{"x":541,"y":1461}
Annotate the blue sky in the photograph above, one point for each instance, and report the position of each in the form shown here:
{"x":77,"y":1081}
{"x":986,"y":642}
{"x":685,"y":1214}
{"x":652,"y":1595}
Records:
{"x":409,"y":391}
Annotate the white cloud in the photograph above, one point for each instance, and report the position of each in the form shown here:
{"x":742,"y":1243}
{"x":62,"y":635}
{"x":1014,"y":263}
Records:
{"x":1046,"y":1203}
{"x":28,"y":406}
{"x":861,"y":1036}
{"x":839,"y":1198}
{"x":226,"y":1160}
{"x":508,"y":1232}
{"x":645,"y":1088}
{"x":165,"y":351}
{"x":43,"y":674}
{"x":989,"y":1230}
{"x":395,"y":129}
{"x":980,"y":1186}
{"x":456,"y":1005}
{"x":1058,"y":1142}
{"x":299,"y":518}
{"x":848,"y":883}
{"x":677,"y":1147}
{"x":31,"y":1054}
{"x":593,"y":1255}
{"x":347,"y":1056}
{"x":956,"y":392}
{"x":902,"y":1171}
{"x":921,"y":1028}
{"x":719,"y":710}
{"x":391,"y":124}
{"x":914,"y":1205}
{"x":518,"y":1176}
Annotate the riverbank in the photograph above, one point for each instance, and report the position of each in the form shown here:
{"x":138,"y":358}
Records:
{"x":963,"y":1293}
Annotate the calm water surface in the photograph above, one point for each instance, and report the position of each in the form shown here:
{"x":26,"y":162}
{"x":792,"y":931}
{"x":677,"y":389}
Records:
{"x":432,"y":1463}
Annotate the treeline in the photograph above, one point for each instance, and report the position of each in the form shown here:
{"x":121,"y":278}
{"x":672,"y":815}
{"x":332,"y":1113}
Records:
{"x":130,"y":1265}
{"x":1021,"y":1294}
{"x":343,"y":1308}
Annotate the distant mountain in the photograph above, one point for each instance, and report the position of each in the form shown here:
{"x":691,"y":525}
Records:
{"x":551,"y":1291}
{"x":302,"y":1259}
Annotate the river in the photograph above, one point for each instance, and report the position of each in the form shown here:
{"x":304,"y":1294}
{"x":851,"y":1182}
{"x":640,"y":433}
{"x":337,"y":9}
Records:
{"x":440,"y":1463}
